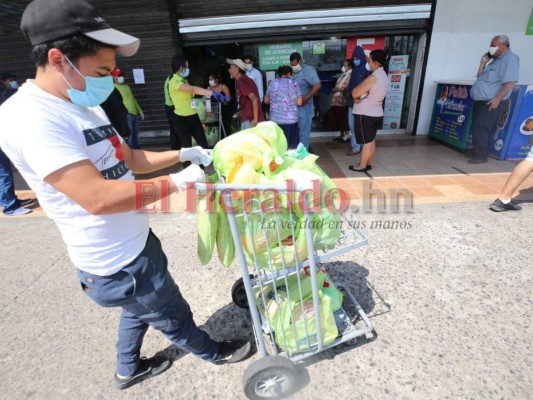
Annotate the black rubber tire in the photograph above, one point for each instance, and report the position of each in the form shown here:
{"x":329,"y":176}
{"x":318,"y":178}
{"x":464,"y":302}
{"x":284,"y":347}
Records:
{"x":238,"y":293}
{"x":273,"y":377}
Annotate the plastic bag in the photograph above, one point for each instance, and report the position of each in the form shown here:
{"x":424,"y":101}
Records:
{"x":208,"y":224}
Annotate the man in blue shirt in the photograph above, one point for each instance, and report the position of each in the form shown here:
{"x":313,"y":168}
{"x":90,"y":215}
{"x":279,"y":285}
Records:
{"x":309,"y":83}
{"x":496,"y":77}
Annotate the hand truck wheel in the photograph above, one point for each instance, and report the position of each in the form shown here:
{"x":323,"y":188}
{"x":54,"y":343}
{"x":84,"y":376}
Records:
{"x":272,"y":377}
{"x":238,"y":293}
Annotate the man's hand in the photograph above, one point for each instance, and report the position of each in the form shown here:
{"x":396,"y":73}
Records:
{"x":485,"y":58}
{"x":196,"y":154}
{"x":193,"y":173}
{"x":494,"y":103}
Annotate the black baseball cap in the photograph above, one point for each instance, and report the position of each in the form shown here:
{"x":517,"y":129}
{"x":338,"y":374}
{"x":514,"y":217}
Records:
{"x":48,"y":20}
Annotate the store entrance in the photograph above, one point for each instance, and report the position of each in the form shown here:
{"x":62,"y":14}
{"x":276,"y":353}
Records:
{"x":326,"y":56}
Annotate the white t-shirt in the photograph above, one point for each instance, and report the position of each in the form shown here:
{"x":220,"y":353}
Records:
{"x":42,"y":133}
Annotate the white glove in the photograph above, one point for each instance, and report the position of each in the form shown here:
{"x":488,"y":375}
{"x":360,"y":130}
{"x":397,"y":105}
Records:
{"x":196,"y":155}
{"x":193,"y":173}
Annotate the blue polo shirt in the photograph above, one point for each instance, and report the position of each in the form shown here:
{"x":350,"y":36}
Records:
{"x":497,"y":73}
{"x":306,"y":78}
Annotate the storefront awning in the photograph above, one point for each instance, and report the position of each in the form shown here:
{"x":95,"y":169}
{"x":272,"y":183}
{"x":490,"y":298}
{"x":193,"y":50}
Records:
{"x":304,"y":23}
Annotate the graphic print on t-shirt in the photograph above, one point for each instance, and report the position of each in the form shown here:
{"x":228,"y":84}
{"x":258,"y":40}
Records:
{"x":111,"y":162}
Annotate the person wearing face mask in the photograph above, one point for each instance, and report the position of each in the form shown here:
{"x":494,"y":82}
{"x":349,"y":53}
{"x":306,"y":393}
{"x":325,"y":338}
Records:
{"x":368,"y":108}
{"x":309,"y":83}
{"x":10,"y":86}
{"x":255,"y":75}
{"x":188,"y":124}
{"x":226,"y":108}
{"x":359,"y":74}
{"x":134,"y":110}
{"x":82,"y":172}
{"x":496,"y":76}
{"x":338,"y":118}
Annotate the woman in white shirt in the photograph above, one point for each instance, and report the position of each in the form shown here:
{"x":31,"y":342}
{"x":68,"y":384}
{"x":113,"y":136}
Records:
{"x":368,"y":108}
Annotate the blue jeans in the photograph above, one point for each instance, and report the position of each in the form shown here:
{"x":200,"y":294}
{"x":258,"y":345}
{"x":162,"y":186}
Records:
{"x":246,"y":125}
{"x":305,"y":119}
{"x":8,"y":199}
{"x":355,"y":146}
{"x":148,"y":297}
{"x":133,"y":124}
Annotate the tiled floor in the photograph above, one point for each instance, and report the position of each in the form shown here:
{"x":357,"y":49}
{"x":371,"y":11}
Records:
{"x":423,"y":170}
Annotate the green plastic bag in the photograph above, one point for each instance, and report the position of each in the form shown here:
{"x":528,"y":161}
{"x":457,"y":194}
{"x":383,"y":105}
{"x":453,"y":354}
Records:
{"x":293,"y":320}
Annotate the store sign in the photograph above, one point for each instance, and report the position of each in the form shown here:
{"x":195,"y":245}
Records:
{"x":452,"y":114}
{"x":319,"y":48}
{"x":392,"y":112}
{"x":272,"y":56}
{"x":368,"y":43}
{"x":529,"y":28}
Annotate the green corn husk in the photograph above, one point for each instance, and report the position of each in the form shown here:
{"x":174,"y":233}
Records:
{"x":208,"y":225}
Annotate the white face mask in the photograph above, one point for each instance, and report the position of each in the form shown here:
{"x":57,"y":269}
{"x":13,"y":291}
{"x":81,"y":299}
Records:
{"x":343,"y":69}
{"x":212,"y":82}
{"x":120,"y":79}
{"x":296,"y":68}
{"x":367,"y":66}
{"x":492,"y":50}
{"x":249,"y":67}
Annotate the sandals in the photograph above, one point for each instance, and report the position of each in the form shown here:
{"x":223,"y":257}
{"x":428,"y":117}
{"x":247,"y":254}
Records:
{"x":365,"y":169}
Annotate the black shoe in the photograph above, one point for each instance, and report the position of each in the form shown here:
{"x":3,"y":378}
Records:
{"x":148,"y":368}
{"x":499,"y":206}
{"x":26,"y":202}
{"x":367,"y":168}
{"x":232,"y":351}
{"x":476,"y":161}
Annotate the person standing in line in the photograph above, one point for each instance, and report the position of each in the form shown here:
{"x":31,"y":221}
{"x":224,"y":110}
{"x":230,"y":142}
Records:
{"x":359,"y":74}
{"x":250,"y":107}
{"x":283,"y":95}
{"x":496,"y":76}
{"x":117,"y":113}
{"x":226,"y":111}
{"x":8,"y":199}
{"x":82,"y":173}
{"x":255,"y":74}
{"x":505,"y":202}
{"x":368,"y":108}
{"x":309,"y":83}
{"x":134,"y":110}
{"x":169,"y":112}
{"x":10,"y":86}
{"x":338,"y":118}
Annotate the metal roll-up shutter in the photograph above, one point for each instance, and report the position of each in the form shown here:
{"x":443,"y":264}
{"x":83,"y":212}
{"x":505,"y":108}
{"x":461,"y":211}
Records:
{"x":388,"y":19}
{"x":148,"y":20}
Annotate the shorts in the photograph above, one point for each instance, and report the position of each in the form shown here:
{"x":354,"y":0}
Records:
{"x":529,"y":156}
{"x":366,"y":127}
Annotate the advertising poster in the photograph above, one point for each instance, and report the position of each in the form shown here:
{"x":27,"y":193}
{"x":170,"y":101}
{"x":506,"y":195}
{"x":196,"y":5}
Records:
{"x":392,"y":112}
{"x":520,"y":138}
{"x":272,"y":56}
{"x":368,"y":43}
{"x":452,"y":114}
{"x":506,"y":122}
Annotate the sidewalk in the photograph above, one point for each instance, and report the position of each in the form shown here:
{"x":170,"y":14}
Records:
{"x":449,"y":295}
{"x":432,"y":172}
